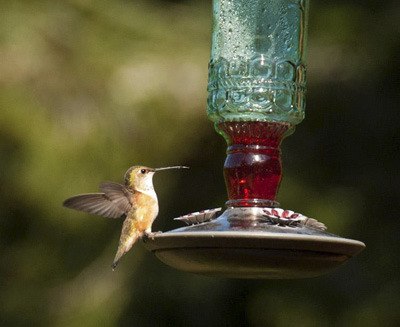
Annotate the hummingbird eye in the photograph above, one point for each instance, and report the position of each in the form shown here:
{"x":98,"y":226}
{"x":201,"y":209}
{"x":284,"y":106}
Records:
{"x":143,"y":171}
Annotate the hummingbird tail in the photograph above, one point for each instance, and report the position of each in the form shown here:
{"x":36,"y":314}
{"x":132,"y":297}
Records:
{"x":124,"y":247}
{"x":117,"y":258}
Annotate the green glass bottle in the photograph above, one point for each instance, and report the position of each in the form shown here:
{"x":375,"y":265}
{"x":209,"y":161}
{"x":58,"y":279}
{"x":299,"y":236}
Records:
{"x":257,"y":85}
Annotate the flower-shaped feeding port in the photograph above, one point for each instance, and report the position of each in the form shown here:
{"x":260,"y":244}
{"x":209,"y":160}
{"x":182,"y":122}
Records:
{"x":257,"y":84}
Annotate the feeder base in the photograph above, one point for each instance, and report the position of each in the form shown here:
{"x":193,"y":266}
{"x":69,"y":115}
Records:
{"x":242,"y":244}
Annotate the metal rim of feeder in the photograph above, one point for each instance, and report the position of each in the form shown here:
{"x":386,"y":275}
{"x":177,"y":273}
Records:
{"x":256,"y":86}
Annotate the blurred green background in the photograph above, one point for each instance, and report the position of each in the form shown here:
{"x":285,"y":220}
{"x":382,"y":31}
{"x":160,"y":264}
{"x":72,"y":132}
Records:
{"x":89,"y":88}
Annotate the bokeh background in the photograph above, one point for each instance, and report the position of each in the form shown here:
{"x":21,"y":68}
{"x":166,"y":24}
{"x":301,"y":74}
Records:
{"x":90,"y":87}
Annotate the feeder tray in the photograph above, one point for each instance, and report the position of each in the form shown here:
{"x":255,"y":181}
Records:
{"x":244,"y":243}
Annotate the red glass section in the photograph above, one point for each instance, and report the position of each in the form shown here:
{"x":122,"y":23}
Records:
{"x":252,"y":168}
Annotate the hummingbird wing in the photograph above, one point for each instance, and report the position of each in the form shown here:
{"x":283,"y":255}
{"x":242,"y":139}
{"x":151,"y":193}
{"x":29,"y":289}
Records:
{"x":118,"y":194}
{"x":113,"y":203}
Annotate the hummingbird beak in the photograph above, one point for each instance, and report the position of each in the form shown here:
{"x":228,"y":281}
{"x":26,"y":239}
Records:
{"x":172,"y":167}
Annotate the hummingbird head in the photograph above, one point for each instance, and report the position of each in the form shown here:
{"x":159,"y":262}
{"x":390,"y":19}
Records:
{"x":141,"y":178}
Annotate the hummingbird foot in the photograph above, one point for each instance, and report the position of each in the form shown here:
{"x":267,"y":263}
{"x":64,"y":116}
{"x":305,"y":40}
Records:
{"x":150,"y":235}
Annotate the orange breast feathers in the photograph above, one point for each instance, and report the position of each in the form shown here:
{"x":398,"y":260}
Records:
{"x":144,"y":211}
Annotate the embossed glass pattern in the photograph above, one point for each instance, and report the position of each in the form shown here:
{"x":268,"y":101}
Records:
{"x":257,"y":70}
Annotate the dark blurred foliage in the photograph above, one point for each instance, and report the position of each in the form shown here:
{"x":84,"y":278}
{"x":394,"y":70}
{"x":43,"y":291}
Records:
{"x":89,"y":88}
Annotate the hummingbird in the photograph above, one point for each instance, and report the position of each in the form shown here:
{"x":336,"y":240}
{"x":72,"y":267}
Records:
{"x":136,"y":201}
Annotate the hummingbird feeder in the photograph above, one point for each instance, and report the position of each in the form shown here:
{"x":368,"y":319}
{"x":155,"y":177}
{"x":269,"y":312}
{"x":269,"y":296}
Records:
{"x":256,"y":86}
